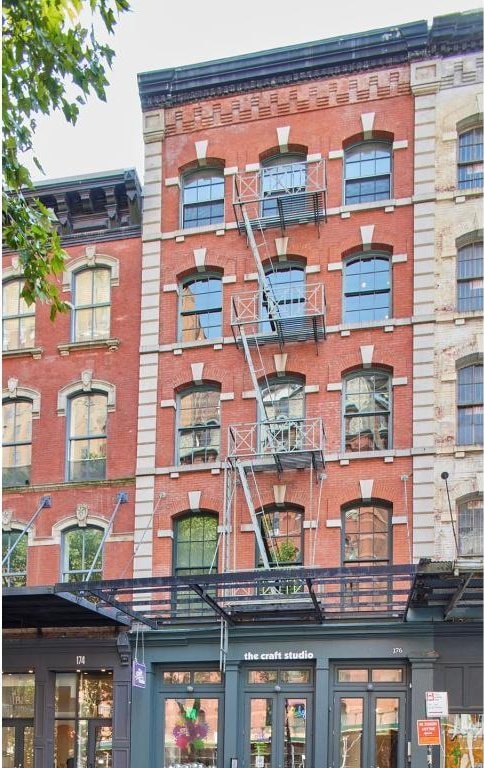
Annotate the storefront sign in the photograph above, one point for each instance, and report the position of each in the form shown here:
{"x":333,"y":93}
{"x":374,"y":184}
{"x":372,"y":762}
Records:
{"x":278,"y":656}
{"x":437,"y":704}
{"x":139,"y":675}
{"x":428,"y":733}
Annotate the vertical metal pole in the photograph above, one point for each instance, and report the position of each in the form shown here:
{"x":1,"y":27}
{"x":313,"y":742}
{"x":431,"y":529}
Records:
{"x":429,"y":757}
{"x":122,"y":498}
{"x":46,"y":501}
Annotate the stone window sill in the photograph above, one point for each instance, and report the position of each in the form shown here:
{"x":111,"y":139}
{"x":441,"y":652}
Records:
{"x":110,"y":344}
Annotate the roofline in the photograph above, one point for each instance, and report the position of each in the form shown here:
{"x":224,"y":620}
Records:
{"x":101,"y":178}
{"x":387,"y":46}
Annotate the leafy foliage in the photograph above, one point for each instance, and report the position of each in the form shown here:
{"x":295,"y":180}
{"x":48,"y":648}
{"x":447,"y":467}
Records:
{"x":52,"y":60}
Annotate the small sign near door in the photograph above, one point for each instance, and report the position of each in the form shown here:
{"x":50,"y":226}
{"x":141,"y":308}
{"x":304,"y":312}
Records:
{"x":428,"y":733}
{"x":437,"y":704}
{"x":139,"y":675}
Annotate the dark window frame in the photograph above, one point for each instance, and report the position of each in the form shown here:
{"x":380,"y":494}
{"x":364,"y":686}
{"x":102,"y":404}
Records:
{"x":270,"y":512}
{"x":353,"y":158}
{"x":206,"y":277}
{"x":360,"y":294}
{"x":388,"y":412}
{"x":360,"y":504}
{"x":470,"y":277}
{"x":203,"y":432}
{"x":96,"y":471}
{"x":470,"y":158}
{"x":470,"y":404}
{"x":214,"y":203}
{"x":288,"y":167}
{"x":81,"y":573}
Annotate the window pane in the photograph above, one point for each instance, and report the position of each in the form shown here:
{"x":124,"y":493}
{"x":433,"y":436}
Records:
{"x":367,"y":534}
{"x":262,"y":677}
{"x":367,"y":412}
{"x":191,"y":732}
{"x":196,"y":544}
{"x":462,"y":739}
{"x":14,"y":569}
{"x":282,"y":535}
{"x":203,"y":195}
{"x":92,"y":296}
{"x":18,"y":692}
{"x":352,"y":675}
{"x":176,"y":678}
{"x":351,"y":731}
{"x":261,"y":714}
{"x":386,"y":732}
{"x":95,"y":694}
{"x":201,"y":309}
{"x":18,"y":318}
{"x":80,"y":549}
{"x":471,"y":528}
{"x":199,"y":426}
{"x":296,"y":676}
{"x":387,"y":675}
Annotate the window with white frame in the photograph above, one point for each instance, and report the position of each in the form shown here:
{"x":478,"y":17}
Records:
{"x":200,"y":308}
{"x":14,"y":569}
{"x":18,"y":317}
{"x":470,"y":525}
{"x":203,"y":193}
{"x":470,"y":277}
{"x":469,"y":405}
{"x":198,"y":425}
{"x":367,"y":288}
{"x":80,"y":547}
{"x":91,"y":317}
{"x":281,"y":424}
{"x":281,"y":175}
{"x":87,"y":439}
{"x":367,"y":168}
{"x":16,"y":442}
{"x":470,"y":160}
{"x":366,"y":405}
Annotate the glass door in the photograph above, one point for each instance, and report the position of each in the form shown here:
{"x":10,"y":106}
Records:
{"x":100,"y":744}
{"x":18,"y":744}
{"x":369,"y":730}
{"x":278,"y":730}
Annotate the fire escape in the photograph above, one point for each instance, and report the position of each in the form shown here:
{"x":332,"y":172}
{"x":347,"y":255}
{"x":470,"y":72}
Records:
{"x":272,"y":315}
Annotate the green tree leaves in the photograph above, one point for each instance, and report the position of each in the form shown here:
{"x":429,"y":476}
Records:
{"x":52,"y":60}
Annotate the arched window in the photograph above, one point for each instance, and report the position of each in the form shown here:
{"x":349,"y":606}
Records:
{"x":201,"y":308}
{"x":470,"y":524}
{"x":469,"y":405}
{"x":470,"y":278}
{"x":367,"y":534}
{"x":203,"y":198}
{"x":199,"y":425}
{"x":18,"y":318}
{"x":281,"y":175}
{"x":281,"y":530}
{"x":79,"y":549}
{"x":284,"y":405}
{"x":87,"y":443}
{"x":367,"y":172}
{"x":195,"y":548}
{"x":91,"y":317}
{"x":367,"y":282}
{"x":17,"y":442}
{"x":287,"y":281}
{"x":366,"y":398}
{"x":470,"y":161}
{"x":14,"y":569}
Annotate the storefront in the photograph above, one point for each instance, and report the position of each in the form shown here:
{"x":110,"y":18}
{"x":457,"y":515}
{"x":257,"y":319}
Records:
{"x":66,"y":683}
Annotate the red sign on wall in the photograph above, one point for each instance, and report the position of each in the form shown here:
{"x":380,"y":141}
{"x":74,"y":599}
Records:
{"x":428,"y":733}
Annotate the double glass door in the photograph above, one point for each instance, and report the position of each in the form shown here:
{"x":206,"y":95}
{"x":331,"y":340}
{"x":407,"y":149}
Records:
{"x":369,"y":729}
{"x":279,"y":730}
{"x":18,"y":744}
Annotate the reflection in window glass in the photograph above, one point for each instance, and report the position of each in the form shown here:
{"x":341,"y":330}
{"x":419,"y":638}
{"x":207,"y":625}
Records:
{"x":352,"y":675}
{"x":87,"y":437}
{"x":367,"y":412}
{"x":282,"y":536}
{"x":18,"y":691}
{"x":80,"y":546}
{"x":295,"y":676}
{"x":261,"y":732}
{"x":262,"y":676}
{"x":469,"y":405}
{"x":386,"y":736}
{"x":351,"y":732}
{"x":366,"y":289}
{"x":387,"y":675}
{"x":16,"y":442}
{"x":201,"y":309}
{"x":211,"y":677}
{"x":176,"y":678}
{"x":199,"y":426}
{"x":281,"y":175}
{"x":463,"y":740}
{"x":367,"y":173}
{"x":203,"y":198}
{"x":92,"y":304}
{"x":470,"y":268}
{"x":14,"y":569}
{"x":470,"y":165}
{"x":191,"y":732}
{"x":284,"y":403}
{"x":471,"y":527}
{"x":18,"y":318}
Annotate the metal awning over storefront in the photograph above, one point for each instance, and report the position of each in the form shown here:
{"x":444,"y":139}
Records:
{"x":437,"y":591}
{"x":47,"y":607}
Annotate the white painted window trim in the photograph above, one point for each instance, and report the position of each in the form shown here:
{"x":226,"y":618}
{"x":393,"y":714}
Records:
{"x":83,"y":262}
{"x":24,"y":393}
{"x":77,"y":388}
{"x":72,"y":522}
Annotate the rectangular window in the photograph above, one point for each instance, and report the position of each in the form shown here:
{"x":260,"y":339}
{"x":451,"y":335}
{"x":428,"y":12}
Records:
{"x":462,"y":736}
{"x":470,"y":278}
{"x":470,"y":165}
{"x":470,"y":405}
{"x":92,"y":304}
{"x":191,"y":732}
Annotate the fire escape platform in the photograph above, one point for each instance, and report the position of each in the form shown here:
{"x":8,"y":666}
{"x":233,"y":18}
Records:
{"x":278,"y":445}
